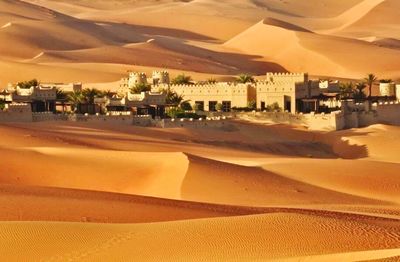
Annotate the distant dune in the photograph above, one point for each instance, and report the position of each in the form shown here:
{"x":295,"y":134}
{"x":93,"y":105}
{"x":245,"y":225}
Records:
{"x":243,"y":192}
{"x":190,"y":35}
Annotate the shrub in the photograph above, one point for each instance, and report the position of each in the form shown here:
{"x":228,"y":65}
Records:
{"x":186,"y":106}
{"x":218,"y":107}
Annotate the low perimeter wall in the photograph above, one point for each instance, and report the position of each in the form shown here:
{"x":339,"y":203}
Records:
{"x":194,"y":123}
{"x":117,"y":119}
{"x":327,"y":122}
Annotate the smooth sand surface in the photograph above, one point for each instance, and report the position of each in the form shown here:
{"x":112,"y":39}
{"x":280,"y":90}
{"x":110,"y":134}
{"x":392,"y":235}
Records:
{"x":90,"y":191}
{"x":201,"y":38}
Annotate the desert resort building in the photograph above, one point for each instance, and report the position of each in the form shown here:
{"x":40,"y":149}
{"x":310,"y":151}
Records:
{"x":291,"y":98}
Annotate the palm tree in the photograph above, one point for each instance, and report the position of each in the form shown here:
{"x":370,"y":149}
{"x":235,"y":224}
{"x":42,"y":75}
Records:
{"x":76,"y":98}
{"x":182,"y":79}
{"x":370,"y":79}
{"x":346,"y":90}
{"x":139,"y":88}
{"x":107,"y":93}
{"x":89,"y":94}
{"x":245,"y":78}
{"x":359,"y":91}
{"x":173,"y":98}
{"x":60,"y":94}
{"x":28,"y":84}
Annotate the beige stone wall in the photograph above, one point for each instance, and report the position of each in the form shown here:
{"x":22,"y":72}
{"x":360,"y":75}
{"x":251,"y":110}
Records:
{"x":398,"y":92}
{"x":388,"y":113}
{"x":239,"y":94}
{"x":217,"y":122}
{"x":320,"y":122}
{"x":387,"y":89}
{"x":16,"y":113}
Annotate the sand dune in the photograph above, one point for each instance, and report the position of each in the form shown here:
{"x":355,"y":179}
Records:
{"x":245,"y":191}
{"x":271,"y":237}
{"x":285,"y":209}
{"x":91,"y":29}
{"x":319,"y":53}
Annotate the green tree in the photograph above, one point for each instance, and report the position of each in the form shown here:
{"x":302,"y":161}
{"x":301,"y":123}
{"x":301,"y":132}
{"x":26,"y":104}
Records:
{"x":107,"y":93}
{"x":346,"y":90}
{"x":245,"y":78}
{"x":182,"y":79}
{"x":60,"y":94}
{"x":386,"y":81}
{"x":359,"y":90}
{"x":371,"y":80}
{"x":173,"y":98}
{"x":28,"y":84}
{"x":89,"y":94}
{"x":76,"y":99}
{"x":140,"y":87}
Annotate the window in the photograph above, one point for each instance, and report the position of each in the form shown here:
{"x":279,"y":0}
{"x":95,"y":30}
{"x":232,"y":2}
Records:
{"x":212,"y":106}
{"x":226,"y":106}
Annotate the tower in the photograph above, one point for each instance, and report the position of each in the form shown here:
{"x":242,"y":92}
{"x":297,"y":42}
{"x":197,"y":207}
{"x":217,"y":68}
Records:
{"x":136,"y":78}
{"x":160,"y":78}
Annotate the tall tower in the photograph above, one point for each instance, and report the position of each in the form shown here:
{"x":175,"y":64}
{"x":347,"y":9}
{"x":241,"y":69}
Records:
{"x":160,"y":78}
{"x":136,"y":78}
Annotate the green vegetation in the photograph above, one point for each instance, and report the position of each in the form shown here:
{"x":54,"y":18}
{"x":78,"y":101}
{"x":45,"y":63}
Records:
{"x":178,"y":112}
{"x":211,"y":81}
{"x":107,"y":93}
{"x":2,"y":104}
{"x":252,"y":105}
{"x":89,"y":94}
{"x":185,"y":105}
{"x":245,"y":78}
{"x":218,"y":107}
{"x":140,"y":87}
{"x":386,"y":81}
{"x":76,"y":98}
{"x":28,"y":84}
{"x":182,"y":79}
{"x":60,"y":94}
{"x":359,"y":90}
{"x":370,"y":79}
{"x":173,"y":98}
{"x":273,"y":107}
{"x":346,"y":90}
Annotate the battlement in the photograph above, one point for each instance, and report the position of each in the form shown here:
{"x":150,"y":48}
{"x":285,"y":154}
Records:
{"x":287,"y":77}
{"x":163,"y":72}
{"x":160,"y":77}
{"x":287,"y":74}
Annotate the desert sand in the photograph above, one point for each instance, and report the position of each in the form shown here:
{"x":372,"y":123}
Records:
{"x":85,"y":191}
{"x":249,"y":191}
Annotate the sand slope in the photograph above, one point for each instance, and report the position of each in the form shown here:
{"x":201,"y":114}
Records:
{"x":271,"y":237}
{"x":340,"y":42}
{"x":320,"y":54}
{"x":245,"y":191}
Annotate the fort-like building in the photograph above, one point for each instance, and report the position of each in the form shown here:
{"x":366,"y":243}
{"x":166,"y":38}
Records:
{"x":291,"y":98}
